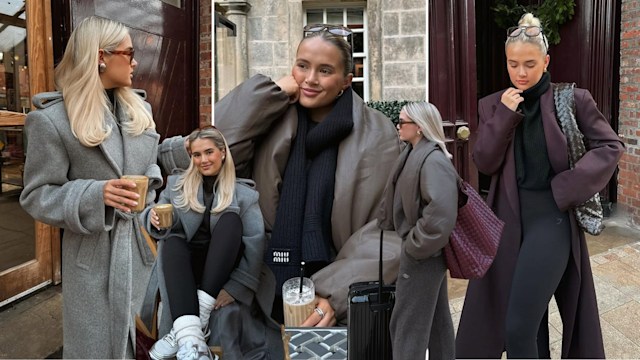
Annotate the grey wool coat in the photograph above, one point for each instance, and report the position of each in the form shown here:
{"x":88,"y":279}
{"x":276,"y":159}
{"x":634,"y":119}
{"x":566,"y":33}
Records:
{"x":251,"y":283}
{"x":260,"y":126}
{"x":421,"y":204}
{"x":105,"y":260}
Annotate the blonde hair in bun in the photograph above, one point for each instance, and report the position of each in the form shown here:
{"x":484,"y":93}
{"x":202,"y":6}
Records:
{"x":540,"y":40}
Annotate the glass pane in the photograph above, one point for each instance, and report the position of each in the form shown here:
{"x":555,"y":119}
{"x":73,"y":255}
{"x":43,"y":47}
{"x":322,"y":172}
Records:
{"x":314,"y":16}
{"x":334,"y":16}
{"x":358,"y":67}
{"x":17,"y":228}
{"x":358,"y":42}
{"x":358,"y":87}
{"x":355,"y":19}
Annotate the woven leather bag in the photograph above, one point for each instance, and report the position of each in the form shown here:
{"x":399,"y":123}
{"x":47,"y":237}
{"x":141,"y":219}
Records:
{"x":589,"y":215}
{"x":474,"y":241}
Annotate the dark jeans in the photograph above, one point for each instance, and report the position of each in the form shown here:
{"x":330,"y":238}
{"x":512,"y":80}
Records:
{"x":187,"y":268}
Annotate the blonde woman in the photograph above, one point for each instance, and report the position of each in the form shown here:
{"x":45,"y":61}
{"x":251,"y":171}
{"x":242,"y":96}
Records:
{"x":81,"y":140}
{"x":211,"y":257}
{"x":542,"y":251}
{"x":420,"y":203}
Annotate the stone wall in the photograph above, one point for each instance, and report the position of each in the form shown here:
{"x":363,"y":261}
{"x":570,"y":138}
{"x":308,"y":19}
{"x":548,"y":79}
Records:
{"x":629,"y":118}
{"x":396,"y":31}
{"x":204,"y":62}
{"x":271,"y":29}
{"x":403,"y":50}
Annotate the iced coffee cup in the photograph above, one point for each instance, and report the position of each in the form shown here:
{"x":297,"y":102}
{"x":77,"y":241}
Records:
{"x":165,"y":213}
{"x":298,"y":305}
{"x":142,"y":183}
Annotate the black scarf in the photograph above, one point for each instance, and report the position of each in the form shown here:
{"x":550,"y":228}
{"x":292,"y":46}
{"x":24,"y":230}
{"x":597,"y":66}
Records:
{"x":302,"y":228}
{"x":533,"y":169}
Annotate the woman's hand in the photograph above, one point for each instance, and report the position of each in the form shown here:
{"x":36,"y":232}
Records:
{"x":223,"y":299}
{"x":116,"y":195}
{"x":155,"y":219}
{"x":316,"y":319}
{"x":289,"y":85}
{"x":511,"y":98}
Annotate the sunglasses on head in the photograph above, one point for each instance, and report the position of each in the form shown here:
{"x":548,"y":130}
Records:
{"x":529,"y":31}
{"x":332,"y":29}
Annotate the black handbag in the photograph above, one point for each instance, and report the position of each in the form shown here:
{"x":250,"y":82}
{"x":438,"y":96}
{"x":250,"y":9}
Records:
{"x":589,"y":214}
{"x":369,"y":314}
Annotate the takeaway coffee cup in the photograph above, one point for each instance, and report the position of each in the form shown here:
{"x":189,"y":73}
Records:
{"x":165,"y":213}
{"x":142,"y":183}
{"x":298,"y":305}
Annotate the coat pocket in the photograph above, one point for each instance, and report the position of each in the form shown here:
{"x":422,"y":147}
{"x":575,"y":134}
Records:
{"x":87,"y":250}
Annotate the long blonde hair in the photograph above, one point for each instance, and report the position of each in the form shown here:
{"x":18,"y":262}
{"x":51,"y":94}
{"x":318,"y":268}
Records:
{"x":190,"y":181}
{"x":85,"y":97}
{"x":428,"y":118}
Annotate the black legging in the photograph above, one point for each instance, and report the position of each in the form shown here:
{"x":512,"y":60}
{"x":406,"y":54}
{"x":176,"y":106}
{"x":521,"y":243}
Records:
{"x":187,"y":268}
{"x":543,"y":258}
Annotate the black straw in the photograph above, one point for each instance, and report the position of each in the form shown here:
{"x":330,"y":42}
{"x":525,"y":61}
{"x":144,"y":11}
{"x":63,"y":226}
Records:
{"x":301,"y":275}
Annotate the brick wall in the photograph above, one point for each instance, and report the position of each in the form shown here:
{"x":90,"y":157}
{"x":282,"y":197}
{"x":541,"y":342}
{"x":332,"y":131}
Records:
{"x":205,"y":62}
{"x":629,"y":119}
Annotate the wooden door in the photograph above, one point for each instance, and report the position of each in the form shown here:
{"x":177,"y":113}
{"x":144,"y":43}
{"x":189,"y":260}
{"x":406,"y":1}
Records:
{"x":452,"y":77}
{"x":165,"y":37}
{"x":588,"y":54}
{"x":26,"y":261}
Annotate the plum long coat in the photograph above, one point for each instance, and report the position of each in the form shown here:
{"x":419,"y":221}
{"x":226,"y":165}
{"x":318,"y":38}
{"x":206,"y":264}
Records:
{"x":481,"y":333}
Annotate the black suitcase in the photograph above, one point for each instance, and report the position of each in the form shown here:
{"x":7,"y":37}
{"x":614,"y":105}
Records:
{"x":369,"y":313}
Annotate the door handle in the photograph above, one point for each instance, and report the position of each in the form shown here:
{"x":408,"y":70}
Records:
{"x":463,"y":133}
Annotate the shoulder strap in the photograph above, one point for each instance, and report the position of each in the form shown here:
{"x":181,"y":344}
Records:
{"x":563,"y":96}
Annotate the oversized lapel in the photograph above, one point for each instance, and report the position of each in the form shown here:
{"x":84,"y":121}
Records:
{"x":111,"y":145}
{"x":555,"y":138}
{"x":136,"y":146}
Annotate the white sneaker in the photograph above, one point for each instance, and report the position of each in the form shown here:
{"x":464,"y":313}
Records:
{"x":190,"y":351}
{"x":165,"y":348}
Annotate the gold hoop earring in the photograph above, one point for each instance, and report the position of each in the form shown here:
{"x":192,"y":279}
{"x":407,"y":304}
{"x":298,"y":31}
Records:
{"x":340,"y":93}
{"x":102,"y":67}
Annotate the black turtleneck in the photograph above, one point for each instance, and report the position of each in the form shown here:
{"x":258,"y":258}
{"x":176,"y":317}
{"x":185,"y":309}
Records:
{"x":203,"y":234}
{"x":533,"y":169}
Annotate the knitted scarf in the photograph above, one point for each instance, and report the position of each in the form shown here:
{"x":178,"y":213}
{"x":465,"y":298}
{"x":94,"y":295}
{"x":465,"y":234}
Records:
{"x":302,"y":228}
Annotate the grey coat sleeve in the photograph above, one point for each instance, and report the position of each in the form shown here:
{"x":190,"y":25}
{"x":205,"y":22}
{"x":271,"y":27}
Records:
{"x":439,"y":190}
{"x":245,"y":278}
{"x":49,"y":195}
{"x":172,"y":155}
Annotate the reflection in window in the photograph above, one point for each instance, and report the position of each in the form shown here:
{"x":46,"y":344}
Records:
{"x":14,"y":74}
{"x":355,"y":19}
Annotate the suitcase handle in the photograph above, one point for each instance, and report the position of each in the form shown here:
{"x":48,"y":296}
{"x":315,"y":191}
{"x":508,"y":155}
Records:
{"x":381,"y":279}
